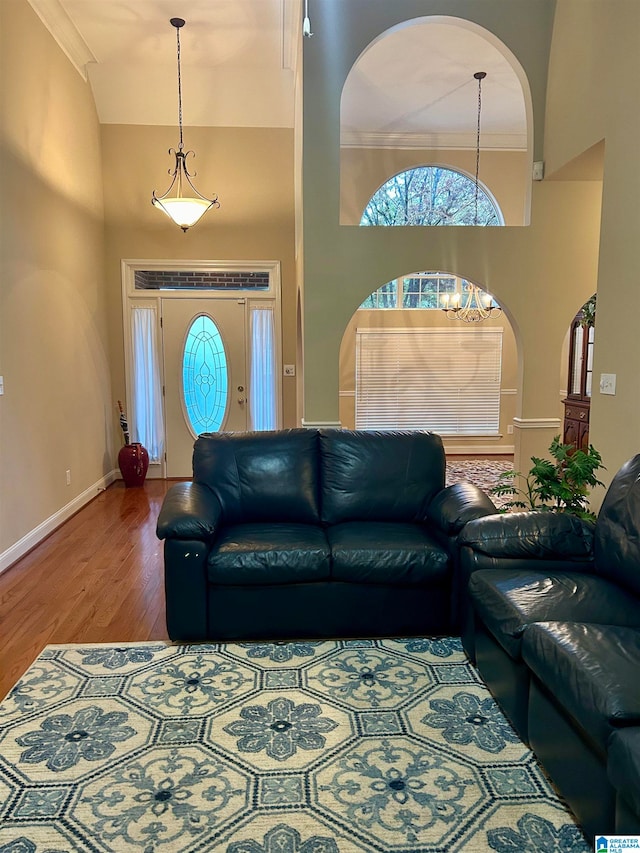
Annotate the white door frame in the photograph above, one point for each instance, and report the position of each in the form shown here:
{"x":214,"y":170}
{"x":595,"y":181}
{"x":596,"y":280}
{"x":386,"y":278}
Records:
{"x":132,"y":298}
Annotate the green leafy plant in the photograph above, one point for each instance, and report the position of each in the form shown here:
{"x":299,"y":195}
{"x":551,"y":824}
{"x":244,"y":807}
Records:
{"x":588,"y":312}
{"x":561,"y":485}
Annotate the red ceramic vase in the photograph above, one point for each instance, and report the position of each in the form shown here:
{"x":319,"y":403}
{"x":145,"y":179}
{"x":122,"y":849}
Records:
{"x":133,"y":460}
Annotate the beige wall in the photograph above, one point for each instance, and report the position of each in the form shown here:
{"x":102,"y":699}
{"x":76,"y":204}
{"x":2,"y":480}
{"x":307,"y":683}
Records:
{"x":61,"y":345}
{"x":593,"y":95}
{"x":505,"y":174}
{"x":251,"y":169}
{"x":362,"y":171}
{"x":540,"y":274}
{"x":55,"y":414}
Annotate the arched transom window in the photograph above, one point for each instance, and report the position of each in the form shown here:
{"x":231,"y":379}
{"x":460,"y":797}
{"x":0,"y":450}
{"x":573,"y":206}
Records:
{"x":430,"y":195}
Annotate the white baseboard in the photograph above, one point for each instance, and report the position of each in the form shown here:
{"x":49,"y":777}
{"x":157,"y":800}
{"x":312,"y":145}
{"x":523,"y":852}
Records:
{"x":478,"y":449}
{"x":35,"y":536}
{"x":321,"y":424}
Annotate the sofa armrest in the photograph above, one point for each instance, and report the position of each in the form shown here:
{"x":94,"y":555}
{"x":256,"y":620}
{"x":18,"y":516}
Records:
{"x":189,"y":511}
{"x":458,"y":504}
{"x":531,"y":535}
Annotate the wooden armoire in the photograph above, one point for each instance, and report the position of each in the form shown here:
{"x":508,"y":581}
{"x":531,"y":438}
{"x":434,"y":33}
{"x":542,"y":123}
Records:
{"x":579,"y":384}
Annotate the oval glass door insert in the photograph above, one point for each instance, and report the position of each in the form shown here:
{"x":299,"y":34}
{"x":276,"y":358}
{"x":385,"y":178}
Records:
{"x":205,"y":376}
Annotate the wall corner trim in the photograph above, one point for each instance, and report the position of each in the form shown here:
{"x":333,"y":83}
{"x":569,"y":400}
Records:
{"x":537,"y":423}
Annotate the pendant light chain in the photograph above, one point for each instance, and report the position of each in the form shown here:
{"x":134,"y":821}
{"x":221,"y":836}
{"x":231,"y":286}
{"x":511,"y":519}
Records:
{"x":181,"y":146}
{"x":479,"y":75}
{"x":476,"y":305}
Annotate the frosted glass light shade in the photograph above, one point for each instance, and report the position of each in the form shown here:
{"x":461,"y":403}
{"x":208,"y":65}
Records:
{"x":185,"y":212}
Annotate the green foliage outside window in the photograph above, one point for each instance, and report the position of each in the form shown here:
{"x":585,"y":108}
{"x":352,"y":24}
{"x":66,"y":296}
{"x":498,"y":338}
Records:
{"x":429,"y":195}
{"x":425,"y":290}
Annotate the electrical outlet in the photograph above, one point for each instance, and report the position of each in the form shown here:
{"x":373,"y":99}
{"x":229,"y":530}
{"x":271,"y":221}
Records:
{"x":510,"y":429}
{"x":68,"y":476}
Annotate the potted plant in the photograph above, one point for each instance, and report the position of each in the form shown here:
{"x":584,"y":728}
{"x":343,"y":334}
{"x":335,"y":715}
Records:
{"x":561,"y":485}
{"x":588,"y":312}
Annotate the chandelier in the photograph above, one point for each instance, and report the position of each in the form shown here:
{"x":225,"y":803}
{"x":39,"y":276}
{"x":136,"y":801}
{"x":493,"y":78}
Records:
{"x":474,"y":305}
{"x":184,"y":210}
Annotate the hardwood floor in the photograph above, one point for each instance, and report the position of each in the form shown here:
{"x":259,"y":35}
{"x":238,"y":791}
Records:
{"x":98,"y":578}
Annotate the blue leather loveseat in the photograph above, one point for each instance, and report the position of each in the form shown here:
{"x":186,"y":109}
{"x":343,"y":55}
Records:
{"x":554,"y":627}
{"x":314,"y":533}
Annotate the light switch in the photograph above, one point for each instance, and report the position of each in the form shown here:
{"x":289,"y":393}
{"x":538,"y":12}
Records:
{"x":289,"y":370}
{"x":538,"y":170}
{"x":1,"y":384}
{"x":608,"y":383}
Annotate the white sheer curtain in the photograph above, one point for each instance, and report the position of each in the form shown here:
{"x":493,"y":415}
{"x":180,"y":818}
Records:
{"x":147,"y":387}
{"x":262,"y":398}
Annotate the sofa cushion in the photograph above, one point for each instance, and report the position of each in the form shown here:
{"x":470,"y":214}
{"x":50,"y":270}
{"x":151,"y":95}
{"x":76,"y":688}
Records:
{"x":617,"y":544}
{"x":386,"y":553}
{"x":623,"y":764}
{"x":508,"y":601}
{"x":379,"y":476}
{"x":261,"y":476}
{"x":269,"y":554}
{"x":590,"y":670}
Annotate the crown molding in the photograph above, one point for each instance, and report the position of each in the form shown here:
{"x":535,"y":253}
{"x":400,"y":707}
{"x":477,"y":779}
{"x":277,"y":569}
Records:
{"x":449,"y":141}
{"x":291,"y":22}
{"x":57,"y":21}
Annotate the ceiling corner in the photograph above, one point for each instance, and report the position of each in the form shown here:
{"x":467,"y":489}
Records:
{"x":53,"y":15}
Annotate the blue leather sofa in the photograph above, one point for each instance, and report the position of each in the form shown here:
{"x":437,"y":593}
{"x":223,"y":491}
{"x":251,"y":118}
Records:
{"x":314,"y":533}
{"x":554,"y":626}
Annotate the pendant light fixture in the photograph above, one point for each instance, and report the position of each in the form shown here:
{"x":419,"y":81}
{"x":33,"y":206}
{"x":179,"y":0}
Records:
{"x":184,"y":210}
{"x":475,"y":304}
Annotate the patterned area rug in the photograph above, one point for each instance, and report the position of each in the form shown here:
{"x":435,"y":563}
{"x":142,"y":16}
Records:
{"x":481,"y":472}
{"x":367,"y":746}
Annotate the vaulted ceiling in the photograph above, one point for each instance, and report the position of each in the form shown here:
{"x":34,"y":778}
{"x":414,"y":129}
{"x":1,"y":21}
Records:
{"x":238,"y":70}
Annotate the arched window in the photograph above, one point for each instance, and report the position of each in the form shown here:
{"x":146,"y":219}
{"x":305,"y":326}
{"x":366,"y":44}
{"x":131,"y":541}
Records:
{"x":430,"y":195}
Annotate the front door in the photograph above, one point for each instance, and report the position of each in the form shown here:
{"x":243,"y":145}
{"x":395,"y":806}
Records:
{"x":204,"y":374}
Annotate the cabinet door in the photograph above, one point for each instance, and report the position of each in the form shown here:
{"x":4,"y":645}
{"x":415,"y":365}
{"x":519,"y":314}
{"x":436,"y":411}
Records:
{"x":571,"y":433}
{"x":583,"y":437}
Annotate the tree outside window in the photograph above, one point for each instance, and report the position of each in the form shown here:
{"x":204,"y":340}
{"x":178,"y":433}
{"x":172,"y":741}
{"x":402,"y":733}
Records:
{"x":430,"y":195}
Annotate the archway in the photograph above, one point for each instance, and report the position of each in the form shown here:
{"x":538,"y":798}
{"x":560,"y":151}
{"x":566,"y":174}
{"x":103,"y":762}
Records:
{"x":410,"y":100}
{"x":480,"y":359}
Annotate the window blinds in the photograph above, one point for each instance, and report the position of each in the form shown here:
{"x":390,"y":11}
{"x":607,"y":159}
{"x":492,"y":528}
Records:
{"x":443,"y":380}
